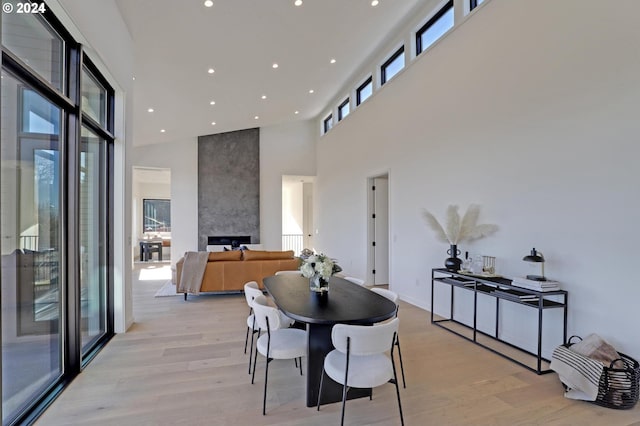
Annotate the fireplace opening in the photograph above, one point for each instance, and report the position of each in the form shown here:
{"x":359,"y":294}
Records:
{"x":233,"y":241}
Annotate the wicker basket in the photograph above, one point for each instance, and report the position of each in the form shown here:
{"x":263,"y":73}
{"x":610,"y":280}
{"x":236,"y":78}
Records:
{"x":618,"y":387}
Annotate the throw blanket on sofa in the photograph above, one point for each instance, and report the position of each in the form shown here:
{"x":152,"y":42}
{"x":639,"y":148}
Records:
{"x":195,"y":262}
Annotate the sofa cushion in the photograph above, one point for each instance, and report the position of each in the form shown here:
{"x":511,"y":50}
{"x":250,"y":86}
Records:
{"x":267,"y":255}
{"x":225,"y":255}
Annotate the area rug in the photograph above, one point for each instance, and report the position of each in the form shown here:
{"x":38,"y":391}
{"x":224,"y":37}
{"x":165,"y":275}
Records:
{"x":167,"y":289}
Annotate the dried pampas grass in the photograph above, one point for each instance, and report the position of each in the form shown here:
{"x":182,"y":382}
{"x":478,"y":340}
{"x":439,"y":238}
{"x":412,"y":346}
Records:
{"x":459,"y":230}
{"x":441,"y":235}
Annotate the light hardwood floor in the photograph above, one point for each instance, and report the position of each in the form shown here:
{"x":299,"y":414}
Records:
{"x":182,"y":363}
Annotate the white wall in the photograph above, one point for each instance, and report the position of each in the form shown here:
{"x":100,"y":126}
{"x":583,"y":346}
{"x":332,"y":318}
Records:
{"x":181,"y":157}
{"x":140,"y":192}
{"x":529,"y":109}
{"x":284,"y":149}
{"x":292,"y":211}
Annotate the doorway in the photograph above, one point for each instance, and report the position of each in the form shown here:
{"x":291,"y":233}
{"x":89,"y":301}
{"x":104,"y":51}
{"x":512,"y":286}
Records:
{"x":151,"y":211}
{"x":378,"y":230}
{"x":297,"y":213}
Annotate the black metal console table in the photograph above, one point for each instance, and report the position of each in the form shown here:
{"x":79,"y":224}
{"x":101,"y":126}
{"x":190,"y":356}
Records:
{"x":501,"y":290}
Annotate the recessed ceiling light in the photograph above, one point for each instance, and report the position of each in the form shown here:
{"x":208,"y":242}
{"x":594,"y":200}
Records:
{"x":274,"y":66}
{"x":208,"y":3}
{"x":256,"y":117}
{"x":297,"y":112}
{"x":374,"y":3}
{"x":162,"y":130}
{"x":212,"y":103}
{"x":264,"y":96}
{"x":150,"y":110}
{"x":333,"y":61}
{"x":311,"y":91}
{"x":211,"y":71}
{"x":133,"y":78}
{"x":213,"y":123}
{"x":298,"y":2}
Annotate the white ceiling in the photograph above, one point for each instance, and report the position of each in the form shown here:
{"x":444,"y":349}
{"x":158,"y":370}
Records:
{"x":177,"y":41}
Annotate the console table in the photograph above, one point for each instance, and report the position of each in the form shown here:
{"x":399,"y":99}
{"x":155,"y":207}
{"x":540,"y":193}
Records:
{"x":502,"y":291}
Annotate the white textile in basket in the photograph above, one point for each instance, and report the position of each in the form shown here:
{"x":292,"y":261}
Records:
{"x":579,"y":373}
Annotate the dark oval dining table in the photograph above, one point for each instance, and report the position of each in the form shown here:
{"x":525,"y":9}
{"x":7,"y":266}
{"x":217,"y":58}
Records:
{"x":345,"y":303}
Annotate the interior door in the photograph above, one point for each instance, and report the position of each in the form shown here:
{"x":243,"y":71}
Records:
{"x":380,"y":218}
{"x":307,"y":212}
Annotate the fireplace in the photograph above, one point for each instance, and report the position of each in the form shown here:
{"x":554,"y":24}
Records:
{"x":233,"y":241}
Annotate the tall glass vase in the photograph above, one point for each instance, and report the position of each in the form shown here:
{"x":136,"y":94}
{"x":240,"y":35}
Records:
{"x":318,"y":284}
{"x":453,"y":263}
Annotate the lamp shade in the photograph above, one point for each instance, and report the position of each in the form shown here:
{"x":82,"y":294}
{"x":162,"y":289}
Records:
{"x":535,"y":256}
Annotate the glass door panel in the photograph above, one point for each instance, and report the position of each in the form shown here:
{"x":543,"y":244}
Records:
{"x":30,"y":212}
{"x":94,"y":98}
{"x":93,"y":238}
{"x":35,"y":42}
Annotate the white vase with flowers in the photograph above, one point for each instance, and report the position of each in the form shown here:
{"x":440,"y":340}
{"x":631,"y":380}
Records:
{"x":319,"y":268}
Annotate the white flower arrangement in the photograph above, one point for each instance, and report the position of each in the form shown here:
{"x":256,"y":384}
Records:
{"x":459,"y":230}
{"x":319,"y":264}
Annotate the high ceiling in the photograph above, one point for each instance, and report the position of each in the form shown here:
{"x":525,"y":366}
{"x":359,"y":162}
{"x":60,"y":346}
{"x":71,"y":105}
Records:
{"x":177,"y":42}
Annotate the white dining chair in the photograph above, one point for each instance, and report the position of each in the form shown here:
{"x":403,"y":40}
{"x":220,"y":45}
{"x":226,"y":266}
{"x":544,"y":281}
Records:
{"x":251,"y":291}
{"x":278,"y":341}
{"x":360,"y":359}
{"x":393,"y":296}
{"x":355,"y":280}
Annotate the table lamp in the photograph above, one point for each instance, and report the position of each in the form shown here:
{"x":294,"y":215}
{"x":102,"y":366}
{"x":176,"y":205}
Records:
{"x":536,"y":257}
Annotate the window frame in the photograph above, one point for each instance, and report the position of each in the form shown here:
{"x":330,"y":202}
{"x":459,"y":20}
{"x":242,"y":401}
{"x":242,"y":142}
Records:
{"x":474,"y":3}
{"x":383,"y":68}
{"x":151,"y":200}
{"x":439,"y":14}
{"x":344,"y":103}
{"x":359,"y":89}
{"x":327,"y":123}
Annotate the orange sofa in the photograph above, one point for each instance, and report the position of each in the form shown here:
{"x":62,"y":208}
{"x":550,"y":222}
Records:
{"x":229,"y":271}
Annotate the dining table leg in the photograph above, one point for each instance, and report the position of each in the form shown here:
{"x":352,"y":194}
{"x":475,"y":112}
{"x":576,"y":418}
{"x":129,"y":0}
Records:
{"x":319,"y":340}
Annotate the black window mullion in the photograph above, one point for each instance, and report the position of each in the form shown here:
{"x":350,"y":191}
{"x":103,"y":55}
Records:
{"x":15,"y":66}
{"x":90,"y":123}
{"x":72,"y":244}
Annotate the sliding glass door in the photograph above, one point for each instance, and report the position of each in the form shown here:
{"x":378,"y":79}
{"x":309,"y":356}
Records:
{"x":93,"y":237}
{"x":31,"y":209}
{"x":56,"y":196}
